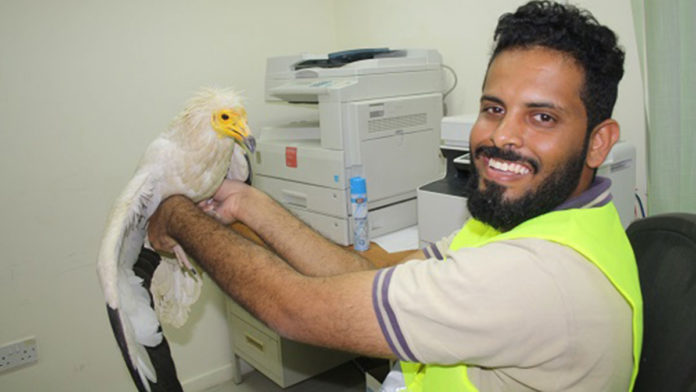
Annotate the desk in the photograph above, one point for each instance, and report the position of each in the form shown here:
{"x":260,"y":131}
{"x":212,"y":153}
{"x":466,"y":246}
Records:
{"x":284,"y":361}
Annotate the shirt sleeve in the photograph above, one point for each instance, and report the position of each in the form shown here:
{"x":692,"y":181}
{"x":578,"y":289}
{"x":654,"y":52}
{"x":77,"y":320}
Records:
{"x":488,"y":306}
{"x":438,"y":249}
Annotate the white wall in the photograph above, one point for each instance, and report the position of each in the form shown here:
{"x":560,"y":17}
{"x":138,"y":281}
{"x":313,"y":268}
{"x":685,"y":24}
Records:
{"x":463,"y":33}
{"x":85,"y":85}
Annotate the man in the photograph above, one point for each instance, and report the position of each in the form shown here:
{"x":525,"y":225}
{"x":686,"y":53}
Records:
{"x":538,"y":292}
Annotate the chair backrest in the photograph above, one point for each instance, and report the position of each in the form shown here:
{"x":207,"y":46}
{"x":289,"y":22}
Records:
{"x":665,"y":249}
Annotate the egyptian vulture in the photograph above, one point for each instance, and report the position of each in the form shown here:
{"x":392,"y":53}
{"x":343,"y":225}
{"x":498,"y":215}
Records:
{"x":204,"y":144}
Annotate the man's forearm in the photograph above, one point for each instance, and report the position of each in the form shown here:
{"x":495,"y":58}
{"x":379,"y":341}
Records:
{"x":237,"y":265}
{"x":333,"y":312}
{"x":302,"y":247}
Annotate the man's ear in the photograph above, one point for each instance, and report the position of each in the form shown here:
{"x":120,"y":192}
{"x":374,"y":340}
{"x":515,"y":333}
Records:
{"x":602,"y":139}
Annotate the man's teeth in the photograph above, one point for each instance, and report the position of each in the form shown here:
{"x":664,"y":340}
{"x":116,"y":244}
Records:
{"x":507,"y":166}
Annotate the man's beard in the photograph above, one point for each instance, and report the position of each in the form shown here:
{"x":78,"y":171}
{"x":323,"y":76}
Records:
{"x":489,"y":207}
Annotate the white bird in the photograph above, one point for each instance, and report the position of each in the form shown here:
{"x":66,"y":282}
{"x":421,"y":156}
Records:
{"x":202,"y":146}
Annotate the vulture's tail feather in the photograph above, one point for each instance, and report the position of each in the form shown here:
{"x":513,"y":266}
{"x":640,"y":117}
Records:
{"x":160,"y":355}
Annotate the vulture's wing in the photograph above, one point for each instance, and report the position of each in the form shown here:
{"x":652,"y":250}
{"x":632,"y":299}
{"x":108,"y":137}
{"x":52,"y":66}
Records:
{"x":160,"y":355}
{"x":132,"y":318}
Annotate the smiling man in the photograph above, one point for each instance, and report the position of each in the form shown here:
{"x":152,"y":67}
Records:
{"x":538,"y":291}
{"x":531,"y":139}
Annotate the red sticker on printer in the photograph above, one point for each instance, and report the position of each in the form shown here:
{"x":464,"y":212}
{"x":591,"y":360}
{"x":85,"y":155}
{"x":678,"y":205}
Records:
{"x":291,"y":156}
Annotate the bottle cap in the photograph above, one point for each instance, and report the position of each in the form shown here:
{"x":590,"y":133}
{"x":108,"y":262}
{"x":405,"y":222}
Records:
{"x":357,"y":185}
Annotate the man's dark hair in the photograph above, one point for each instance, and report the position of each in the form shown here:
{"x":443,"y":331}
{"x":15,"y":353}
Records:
{"x":574,"y":32}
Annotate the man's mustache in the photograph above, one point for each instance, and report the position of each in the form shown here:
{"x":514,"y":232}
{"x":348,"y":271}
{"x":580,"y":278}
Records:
{"x":506,"y":155}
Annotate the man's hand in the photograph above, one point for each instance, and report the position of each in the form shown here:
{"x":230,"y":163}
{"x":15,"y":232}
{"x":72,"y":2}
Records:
{"x":157,"y":229}
{"x":283,"y":296}
{"x":225,"y":204}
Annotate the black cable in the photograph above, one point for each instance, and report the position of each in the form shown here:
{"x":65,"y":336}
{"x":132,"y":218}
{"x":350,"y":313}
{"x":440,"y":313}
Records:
{"x":640,"y":204}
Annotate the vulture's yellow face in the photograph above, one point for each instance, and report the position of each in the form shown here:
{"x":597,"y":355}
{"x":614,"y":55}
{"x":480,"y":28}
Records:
{"x":233,"y":123}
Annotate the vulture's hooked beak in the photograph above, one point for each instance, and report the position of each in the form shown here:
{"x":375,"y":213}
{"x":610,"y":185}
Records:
{"x":250,"y":142}
{"x":241,"y":133}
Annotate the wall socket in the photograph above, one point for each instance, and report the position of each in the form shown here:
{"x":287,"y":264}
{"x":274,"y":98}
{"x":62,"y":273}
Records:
{"x":19,"y":353}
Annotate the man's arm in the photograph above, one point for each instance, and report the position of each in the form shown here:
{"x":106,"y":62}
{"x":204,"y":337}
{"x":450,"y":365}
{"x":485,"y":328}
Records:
{"x":333,"y":311}
{"x":303,"y":248}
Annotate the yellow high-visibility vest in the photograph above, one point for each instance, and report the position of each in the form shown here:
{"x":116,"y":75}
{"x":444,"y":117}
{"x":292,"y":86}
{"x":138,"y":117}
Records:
{"x":596,"y":233}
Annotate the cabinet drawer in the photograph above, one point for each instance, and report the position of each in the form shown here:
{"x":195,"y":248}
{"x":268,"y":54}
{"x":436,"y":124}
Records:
{"x":258,"y":348}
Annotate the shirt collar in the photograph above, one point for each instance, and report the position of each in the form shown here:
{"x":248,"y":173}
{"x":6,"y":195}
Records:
{"x":596,"y":195}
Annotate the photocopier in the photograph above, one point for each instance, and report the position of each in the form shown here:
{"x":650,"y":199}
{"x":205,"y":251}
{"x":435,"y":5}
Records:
{"x":379,"y":118}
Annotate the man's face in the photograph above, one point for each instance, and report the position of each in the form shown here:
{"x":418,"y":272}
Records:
{"x":528,"y":141}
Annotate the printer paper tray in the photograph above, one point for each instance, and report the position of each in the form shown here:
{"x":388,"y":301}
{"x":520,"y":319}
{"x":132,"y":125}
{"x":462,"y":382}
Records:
{"x":328,"y":201}
{"x":304,"y":161}
{"x":381,"y":221}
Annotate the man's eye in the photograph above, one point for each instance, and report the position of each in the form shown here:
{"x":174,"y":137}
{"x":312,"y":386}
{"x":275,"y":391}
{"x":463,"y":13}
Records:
{"x":493,"y":109}
{"x":543,"y":117}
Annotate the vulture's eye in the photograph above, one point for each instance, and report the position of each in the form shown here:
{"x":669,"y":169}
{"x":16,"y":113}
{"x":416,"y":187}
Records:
{"x":225,"y":117}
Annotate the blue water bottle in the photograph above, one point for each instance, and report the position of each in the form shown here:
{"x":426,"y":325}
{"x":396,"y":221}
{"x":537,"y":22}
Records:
{"x":358,"y":201}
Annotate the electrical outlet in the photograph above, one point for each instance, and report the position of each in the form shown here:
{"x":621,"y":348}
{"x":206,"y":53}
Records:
{"x":19,"y":353}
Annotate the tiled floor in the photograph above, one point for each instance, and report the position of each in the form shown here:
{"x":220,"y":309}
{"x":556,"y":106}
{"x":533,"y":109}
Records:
{"x":345,"y":378}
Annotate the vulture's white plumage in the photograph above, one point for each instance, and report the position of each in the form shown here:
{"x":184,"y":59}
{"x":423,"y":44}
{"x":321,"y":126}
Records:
{"x":203,"y":145}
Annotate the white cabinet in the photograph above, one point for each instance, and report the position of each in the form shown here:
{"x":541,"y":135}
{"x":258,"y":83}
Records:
{"x":284,"y":361}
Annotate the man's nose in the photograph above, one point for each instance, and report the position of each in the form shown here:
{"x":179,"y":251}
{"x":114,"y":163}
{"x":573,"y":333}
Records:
{"x":508,"y":133}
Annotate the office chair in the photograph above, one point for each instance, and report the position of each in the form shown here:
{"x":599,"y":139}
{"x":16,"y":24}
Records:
{"x":665,"y":249}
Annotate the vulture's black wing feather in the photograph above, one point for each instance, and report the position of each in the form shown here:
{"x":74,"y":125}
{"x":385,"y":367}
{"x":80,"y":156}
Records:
{"x":160,"y":355}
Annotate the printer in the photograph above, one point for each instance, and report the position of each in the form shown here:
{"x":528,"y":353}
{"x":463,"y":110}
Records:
{"x":442,"y":203}
{"x":379,"y":116}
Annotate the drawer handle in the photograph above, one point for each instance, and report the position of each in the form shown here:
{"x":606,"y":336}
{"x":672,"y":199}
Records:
{"x":257,"y":344}
{"x":294,"y":198}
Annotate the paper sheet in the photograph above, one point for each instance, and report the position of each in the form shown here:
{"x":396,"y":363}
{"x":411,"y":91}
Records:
{"x":405,"y":239}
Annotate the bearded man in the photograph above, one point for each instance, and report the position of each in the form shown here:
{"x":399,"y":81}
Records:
{"x":538,"y":291}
